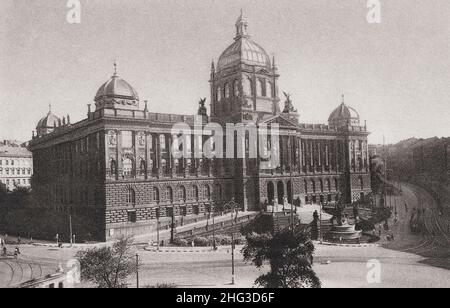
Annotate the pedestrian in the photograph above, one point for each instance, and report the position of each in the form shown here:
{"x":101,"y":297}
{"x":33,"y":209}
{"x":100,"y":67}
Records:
{"x":312,"y":259}
{"x":5,"y":251}
{"x":19,"y":240}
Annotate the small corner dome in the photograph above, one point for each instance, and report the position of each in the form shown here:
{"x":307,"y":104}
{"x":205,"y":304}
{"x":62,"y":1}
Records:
{"x":343,"y":116}
{"x":49,"y":121}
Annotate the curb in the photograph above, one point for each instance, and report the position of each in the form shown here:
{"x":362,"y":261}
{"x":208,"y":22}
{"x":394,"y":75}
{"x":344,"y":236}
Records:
{"x":349,"y":245}
{"x":184,"y":250}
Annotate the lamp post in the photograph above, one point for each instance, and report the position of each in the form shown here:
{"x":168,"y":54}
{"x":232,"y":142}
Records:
{"x":290,"y":182}
{"x":137,"y":271}
{"x":214,"y":226}
{"x":157,"y":229}
{"x":232,"y":205}
{"x":70,"y":229}
{"x":172,"y":226}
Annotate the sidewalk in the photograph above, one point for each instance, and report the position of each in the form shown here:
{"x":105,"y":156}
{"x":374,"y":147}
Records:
{"x":165,"y":234}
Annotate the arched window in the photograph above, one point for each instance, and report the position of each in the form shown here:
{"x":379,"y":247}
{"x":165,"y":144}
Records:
{"x":155,"y":195}
{"x":262,"y":87}
{"x":329,"y":185}
{"x":313,"y":184}
{"x":195,"y":192}
{"x":336,"y":184}
{"x":142,"y":166}
{"x":131,"y":197}
{"x":249,"y":86}
{"x":306,"y":186}
{"x":127,"y":167}
{"x":169,"y":194}
{"x":181,"y":193}
{"x":361,"y":183}
{"x":270,"y":90}
{"x":321,"y":185}
{"x":206,"y":192}
{"x":113,"y":167}
{"x":218,"y":94}
{"x":227,"y":90}
{"x":236,"y":88}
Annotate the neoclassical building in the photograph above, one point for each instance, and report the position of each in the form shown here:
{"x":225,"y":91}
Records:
{"x":114,"y":172}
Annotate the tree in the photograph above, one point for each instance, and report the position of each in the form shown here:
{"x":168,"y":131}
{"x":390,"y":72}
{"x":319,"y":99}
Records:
{"x":3,"y":192}
{"x":21,"y":196}
{"x":108,"y":267}
{"x":289,"y":256}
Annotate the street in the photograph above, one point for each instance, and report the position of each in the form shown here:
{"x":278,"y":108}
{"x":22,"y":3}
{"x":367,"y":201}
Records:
{"x":408,"y":261}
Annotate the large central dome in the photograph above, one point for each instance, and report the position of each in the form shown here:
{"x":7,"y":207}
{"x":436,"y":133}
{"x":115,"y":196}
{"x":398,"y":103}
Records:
{"x":243,"y":50}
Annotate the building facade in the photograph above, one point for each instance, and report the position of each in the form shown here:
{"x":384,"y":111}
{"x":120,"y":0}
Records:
{"x":114,"y":172}
{"x":16,"y":165}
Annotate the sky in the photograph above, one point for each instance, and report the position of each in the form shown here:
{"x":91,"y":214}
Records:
{"x":396,"y":74}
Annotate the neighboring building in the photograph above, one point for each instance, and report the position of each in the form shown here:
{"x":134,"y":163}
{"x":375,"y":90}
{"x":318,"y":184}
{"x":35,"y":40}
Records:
{"x":16,"y":165}
{"x":114,"y":172}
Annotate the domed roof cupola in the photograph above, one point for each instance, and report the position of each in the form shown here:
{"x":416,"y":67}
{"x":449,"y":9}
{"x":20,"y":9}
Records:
{"x":243,"y":50}
{"x":344,"y":116}
{"x":116,"y":93}
{"x":48,"y":123}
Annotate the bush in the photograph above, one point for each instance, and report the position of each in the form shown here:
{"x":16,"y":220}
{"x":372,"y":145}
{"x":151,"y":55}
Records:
{"x":223,"y":240}
{"x":179,"y":242}
{"x":201,"y":241}
{"x":162,"y":286}
{"x":240,"y":240}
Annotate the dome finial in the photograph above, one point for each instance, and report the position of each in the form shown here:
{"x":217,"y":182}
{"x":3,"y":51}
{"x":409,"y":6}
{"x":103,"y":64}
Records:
{"x":115,"y":68}
{"x":49,"y":108}
{"x":241,"y":26}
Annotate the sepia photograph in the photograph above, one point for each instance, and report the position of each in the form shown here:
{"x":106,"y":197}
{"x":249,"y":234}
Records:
{"x":223,"y":151}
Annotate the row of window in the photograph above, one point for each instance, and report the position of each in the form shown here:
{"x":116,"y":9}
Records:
{"x":15,"y":171}
{"x":263,"y":88}
{"x":16,"y":182}
{"x":12,"y":162}
{"x":181,"y":194}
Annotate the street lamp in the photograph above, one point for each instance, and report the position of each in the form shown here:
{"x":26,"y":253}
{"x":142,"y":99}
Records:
{"x":212,"y":210}
{"x":232,"y":205}
{"x":157,"y":228}
{"x":137,"y":271}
